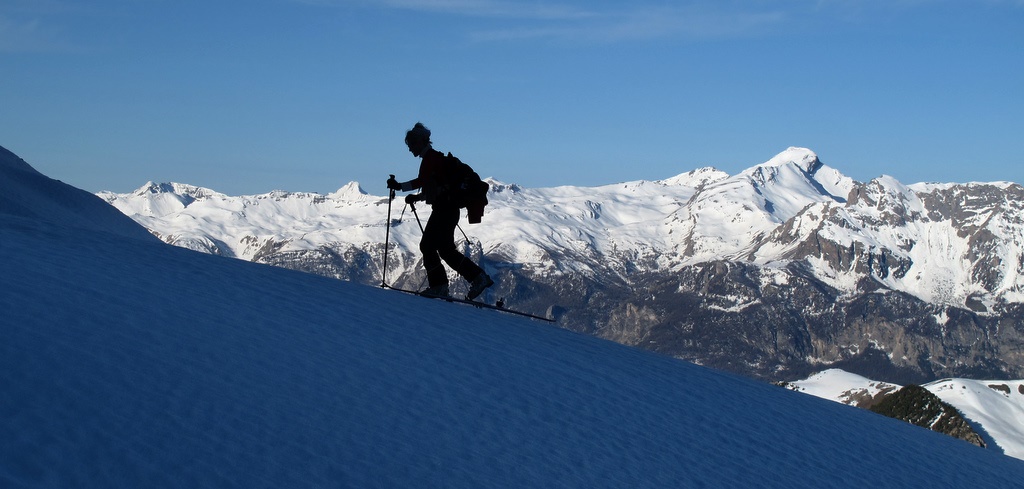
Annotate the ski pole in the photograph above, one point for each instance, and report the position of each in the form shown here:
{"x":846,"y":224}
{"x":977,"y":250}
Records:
{"x":413,"y":207}
{"x":463,"y":233}
{"x":387,"y":238}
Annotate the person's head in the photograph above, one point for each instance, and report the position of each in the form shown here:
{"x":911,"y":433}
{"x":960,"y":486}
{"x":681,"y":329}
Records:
{"x":418,"y":139}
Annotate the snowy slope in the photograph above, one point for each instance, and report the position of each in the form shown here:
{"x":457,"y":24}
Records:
{"x":837,"y":385}
{"x":26,"y":193}
{"x":996,"y":406}
{"x":130,"y":363}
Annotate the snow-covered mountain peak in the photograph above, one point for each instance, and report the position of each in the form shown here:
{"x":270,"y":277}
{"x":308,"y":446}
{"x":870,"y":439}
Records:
{"x":886,"y":194}
{"x":796,"y":175}
{"x":696,"y":178}
{"x":801,"y":171}
{"x":804,"y":158}
{"x":152,"y":187}
{"x":181,"y":189}
{"x":498,"y":187}
{"x":350,"y":191}
{"x":728,"y":216}
{"x":161,"y":199}
{"x":892,"y":185}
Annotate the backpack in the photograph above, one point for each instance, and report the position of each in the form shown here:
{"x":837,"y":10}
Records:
{"x":463,"y":188}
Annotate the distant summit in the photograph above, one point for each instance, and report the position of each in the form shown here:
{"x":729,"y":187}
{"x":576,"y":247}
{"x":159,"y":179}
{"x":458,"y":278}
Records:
{"x":351,"y":191}
{"x":804,"y":158}
{"x":696,"y":178}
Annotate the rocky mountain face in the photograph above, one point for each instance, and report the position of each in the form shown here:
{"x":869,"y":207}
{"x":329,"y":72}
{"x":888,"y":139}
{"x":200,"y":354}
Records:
{"x":787,"y":323}
{"x":786,"y":268}
{"x":918,"y":406}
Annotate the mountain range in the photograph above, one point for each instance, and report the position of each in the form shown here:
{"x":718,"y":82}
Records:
{"x":781,"y":270}
{"x":126,"y":362}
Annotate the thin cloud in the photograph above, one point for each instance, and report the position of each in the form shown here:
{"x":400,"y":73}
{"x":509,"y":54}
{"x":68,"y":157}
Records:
{"x":472,"y":8}
{"x":31,"y":36}
{"x":586,"y":22}
{"x":640,"y":24}
{"x":490,"y":8}
{"x":38,"y":26}
{"x":608,"y":22}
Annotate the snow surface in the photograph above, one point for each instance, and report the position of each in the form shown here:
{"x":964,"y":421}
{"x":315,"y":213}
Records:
{"x":841,"y":386}
{"x":999,"y":414}
{"x":26,"y":193}
{"x":127,"y":362}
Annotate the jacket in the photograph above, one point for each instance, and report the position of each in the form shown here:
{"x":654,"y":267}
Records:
{"x":430,"y":176}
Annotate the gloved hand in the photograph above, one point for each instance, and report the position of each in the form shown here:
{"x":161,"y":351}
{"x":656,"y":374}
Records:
{"x":393,"y":184}
{"x":413,"y":198}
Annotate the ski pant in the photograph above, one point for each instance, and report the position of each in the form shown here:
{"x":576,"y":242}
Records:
{"x":438,"y":244}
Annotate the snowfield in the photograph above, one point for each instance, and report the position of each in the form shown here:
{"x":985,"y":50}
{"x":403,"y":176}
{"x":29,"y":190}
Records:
{"x":127,"y":362}
{"x":1000,"y":413}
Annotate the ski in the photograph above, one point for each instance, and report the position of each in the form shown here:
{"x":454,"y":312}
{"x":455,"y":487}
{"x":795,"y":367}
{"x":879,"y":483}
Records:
{"x":482,"y":305}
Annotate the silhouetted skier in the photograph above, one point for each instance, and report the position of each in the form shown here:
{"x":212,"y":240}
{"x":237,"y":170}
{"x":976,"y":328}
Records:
{"x":438,"y":242}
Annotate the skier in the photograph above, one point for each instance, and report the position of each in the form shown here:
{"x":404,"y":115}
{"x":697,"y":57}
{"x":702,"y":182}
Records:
{"x":438,"y":242}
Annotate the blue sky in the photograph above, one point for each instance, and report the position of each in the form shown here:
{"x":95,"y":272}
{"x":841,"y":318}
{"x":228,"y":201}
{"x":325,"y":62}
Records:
{"x":306,"y":95}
